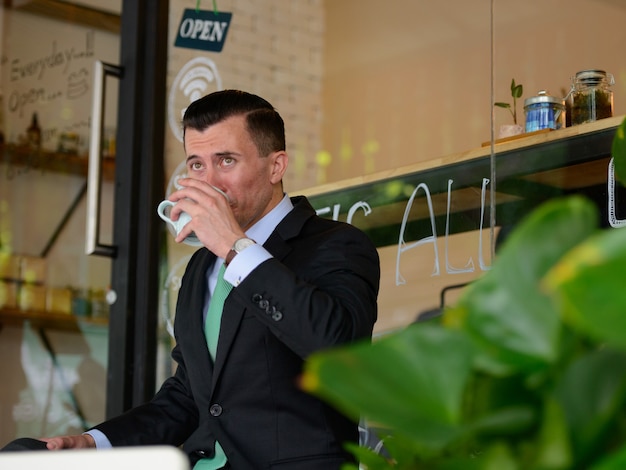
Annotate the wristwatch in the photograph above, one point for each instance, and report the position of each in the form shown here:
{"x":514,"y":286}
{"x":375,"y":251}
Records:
{"x":238,"y":247}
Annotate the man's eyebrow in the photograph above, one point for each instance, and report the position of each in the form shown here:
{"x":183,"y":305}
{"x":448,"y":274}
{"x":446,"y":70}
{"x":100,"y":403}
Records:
{"x":225,"y":153}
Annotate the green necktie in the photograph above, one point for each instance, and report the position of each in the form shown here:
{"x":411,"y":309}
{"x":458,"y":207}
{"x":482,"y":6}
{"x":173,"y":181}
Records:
{"x":214,"y":313}
{"x":212,"y":333}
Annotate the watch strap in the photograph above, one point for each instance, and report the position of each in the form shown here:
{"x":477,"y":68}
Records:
{"x":238,"y":247}
{"x":229,"y":257}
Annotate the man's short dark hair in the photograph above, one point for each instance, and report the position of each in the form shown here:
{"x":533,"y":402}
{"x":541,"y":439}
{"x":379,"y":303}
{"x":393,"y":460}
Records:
{"x":264,"y":124}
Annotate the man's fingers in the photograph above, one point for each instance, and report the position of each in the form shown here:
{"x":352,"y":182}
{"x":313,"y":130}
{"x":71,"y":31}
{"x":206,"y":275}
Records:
{"x":82,"y":441}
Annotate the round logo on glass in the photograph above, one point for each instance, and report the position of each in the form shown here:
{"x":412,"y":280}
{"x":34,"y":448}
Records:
{"x":197,"y":78}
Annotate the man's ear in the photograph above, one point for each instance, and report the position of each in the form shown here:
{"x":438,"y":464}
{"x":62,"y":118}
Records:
{"x":280,"y":160}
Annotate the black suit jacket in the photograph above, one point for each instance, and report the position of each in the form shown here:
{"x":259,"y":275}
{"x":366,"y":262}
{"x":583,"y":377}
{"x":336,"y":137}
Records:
{"x":318,"y":291}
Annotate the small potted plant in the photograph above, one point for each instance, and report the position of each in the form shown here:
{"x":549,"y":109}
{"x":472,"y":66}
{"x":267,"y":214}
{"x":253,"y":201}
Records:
{"x":507,"y":130}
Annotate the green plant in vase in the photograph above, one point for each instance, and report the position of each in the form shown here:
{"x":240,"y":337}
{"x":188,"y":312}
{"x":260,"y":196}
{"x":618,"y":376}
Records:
{"x":517,"y":90}
{"x":526,"y":371}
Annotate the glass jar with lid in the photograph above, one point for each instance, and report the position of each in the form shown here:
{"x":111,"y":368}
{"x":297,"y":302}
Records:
{"x":591,"y":97}
{"x":544,"y":112}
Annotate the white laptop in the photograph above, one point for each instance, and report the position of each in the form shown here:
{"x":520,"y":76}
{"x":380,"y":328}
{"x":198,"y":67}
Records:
{"x":120,"y":458}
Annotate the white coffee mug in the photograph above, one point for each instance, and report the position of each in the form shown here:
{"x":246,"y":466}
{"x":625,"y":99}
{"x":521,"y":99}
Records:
{"x":177,"y":225}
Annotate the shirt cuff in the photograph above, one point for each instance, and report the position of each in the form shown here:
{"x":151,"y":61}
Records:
{"x":102,"y":442}
{"x":244,"y":263}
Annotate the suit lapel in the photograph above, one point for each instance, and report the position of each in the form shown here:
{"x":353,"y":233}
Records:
{"x":231,"y":318}
{"x":193,"y":308}
{"x":277,"y":245}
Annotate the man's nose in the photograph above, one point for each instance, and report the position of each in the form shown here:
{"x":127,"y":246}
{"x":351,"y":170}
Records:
{"x":211,"y":177}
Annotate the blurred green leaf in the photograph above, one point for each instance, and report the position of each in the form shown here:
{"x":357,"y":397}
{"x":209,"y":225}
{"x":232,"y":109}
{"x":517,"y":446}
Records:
{"x":514,"y":324}
{"x":397,"y":382}
{"x":588,"y":285}
{"x":505,"y":421}
{"x":367,"y":458}
{"x":616,"y":461}
{"x":553,"y":449}
{"x":592,"y":393}
{"x":407,"y":453}
{"x":499,"y":457}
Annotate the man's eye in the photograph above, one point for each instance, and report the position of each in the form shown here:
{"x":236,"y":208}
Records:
{"x":227,"y":161}
{"x":196,"y":166}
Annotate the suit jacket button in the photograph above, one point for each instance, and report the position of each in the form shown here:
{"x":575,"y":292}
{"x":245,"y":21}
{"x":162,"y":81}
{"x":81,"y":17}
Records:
{"x":215,"y":410}
{"x":201,"y":453}
{"x":277,"y":316}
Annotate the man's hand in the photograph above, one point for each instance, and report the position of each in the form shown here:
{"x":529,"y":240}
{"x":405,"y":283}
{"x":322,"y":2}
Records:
{"x":82,"y":441}
{"x":212,"y":217}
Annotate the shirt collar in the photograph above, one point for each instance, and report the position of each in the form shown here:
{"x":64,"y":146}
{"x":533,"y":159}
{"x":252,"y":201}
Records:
{"x":261,"y":230}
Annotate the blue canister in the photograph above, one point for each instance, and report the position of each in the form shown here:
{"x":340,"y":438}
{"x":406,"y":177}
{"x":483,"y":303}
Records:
{"x":544,"y":112}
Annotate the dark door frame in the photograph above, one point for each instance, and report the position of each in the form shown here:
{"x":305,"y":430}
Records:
{"x":139,"y":183}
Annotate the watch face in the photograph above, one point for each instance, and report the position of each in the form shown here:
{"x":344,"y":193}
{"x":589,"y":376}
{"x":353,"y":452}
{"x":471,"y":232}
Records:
{"x":242,"y":244}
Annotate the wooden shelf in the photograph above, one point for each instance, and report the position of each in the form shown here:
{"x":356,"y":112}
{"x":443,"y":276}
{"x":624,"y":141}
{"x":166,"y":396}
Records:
{"x":25,"y":158}
{"x":49,"y":320}
{"x":529,"y":170}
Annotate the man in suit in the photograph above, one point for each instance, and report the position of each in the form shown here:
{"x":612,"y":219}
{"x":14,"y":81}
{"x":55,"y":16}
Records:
{"x":300,"y":283}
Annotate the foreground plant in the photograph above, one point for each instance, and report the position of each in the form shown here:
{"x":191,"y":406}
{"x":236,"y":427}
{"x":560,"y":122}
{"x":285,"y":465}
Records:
{"x":526,"y":371}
